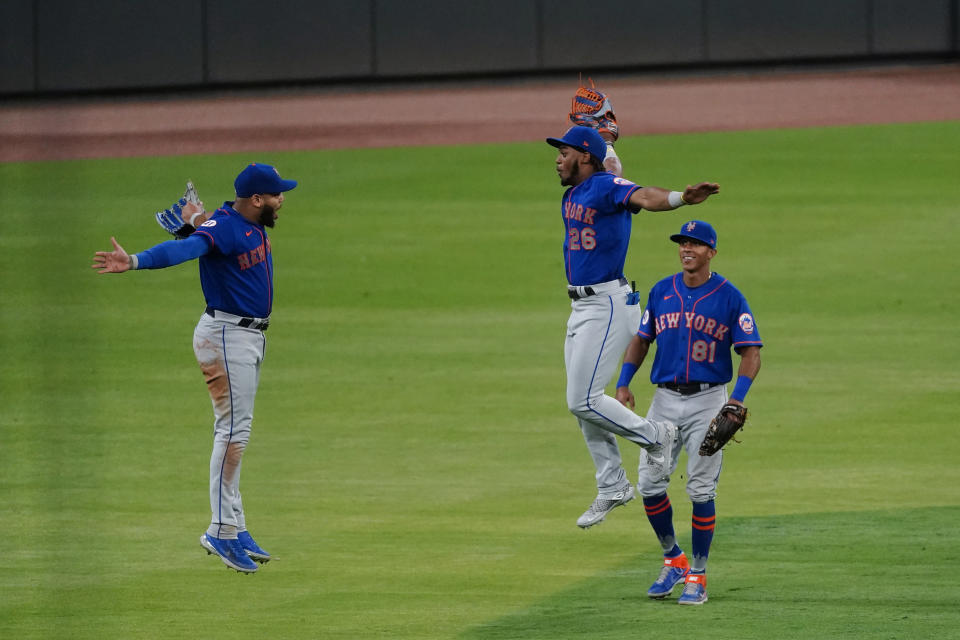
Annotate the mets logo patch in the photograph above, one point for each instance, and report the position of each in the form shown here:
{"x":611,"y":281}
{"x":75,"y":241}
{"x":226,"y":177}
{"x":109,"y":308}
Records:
{"x":746,"y":323}
{"x":209,"y":223}
{"x":646,"y":317}
{"x":623,"y":182}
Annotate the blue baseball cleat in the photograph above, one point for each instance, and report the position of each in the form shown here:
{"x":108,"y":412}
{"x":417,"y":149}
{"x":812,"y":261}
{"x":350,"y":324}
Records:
{"x":674,"y":570}
{"x":230,"y":552}
{"x":695,"y":589}
{"x":251,"y":547}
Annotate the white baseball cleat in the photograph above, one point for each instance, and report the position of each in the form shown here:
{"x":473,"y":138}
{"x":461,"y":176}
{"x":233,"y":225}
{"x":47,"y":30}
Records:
{"x":602,"y":506}
{"x":660,"y":456}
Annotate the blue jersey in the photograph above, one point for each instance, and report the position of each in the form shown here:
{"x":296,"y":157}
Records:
{"x":695,"y":329}
{"x":236,"y":274}
{"x":236,"y":264}
{"x":597,"y":220}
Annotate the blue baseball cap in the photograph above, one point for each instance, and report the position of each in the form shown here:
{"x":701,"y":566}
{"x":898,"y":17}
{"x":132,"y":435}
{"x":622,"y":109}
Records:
{"x":582,"y":139}
{"x":261,"y":178}
{"x":698,"y":230}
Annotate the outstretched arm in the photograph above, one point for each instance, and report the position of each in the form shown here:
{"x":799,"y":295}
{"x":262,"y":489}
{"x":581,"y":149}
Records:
{"x":165,"y":254}
{"x":116,"y":261}
{"x":658,"y":199}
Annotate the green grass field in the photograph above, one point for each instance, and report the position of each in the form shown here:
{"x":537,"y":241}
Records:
{"x":413,"y":467}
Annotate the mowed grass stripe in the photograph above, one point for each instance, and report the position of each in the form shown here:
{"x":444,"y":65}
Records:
{"x":413,"y":466}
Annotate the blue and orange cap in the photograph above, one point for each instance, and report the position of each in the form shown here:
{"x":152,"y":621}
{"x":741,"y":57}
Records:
{"x":261,"y":178}
{"x":698,"y":230}
{"x":582,"y":139}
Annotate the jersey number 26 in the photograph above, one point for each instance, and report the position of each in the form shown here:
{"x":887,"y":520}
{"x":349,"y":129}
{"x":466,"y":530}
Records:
{"x":582,"y":238}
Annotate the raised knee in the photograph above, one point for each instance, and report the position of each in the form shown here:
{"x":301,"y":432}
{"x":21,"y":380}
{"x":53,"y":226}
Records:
{"x":581,"y":409}
{"x":583,"y":406}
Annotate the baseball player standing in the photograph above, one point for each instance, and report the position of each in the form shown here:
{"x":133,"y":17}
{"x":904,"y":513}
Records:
{"x":696,"y":317}
{"x":236,"y":274}
{"x":597,"y":210}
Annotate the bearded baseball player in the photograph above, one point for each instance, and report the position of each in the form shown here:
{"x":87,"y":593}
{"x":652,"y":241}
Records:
{"x":696,"y":317}
{"x":597,"y":210}
{"x":236,"y":275}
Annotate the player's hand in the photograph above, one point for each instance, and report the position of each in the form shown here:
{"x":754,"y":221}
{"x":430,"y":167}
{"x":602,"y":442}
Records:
{"x":625,"y":397}
{"x":191,"y":208}
{"x":116,"y":261}
{"x":179,"y":220}
{"x":700,"y":192}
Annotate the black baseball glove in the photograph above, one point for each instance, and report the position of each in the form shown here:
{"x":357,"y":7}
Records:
{"x":724,"y":425}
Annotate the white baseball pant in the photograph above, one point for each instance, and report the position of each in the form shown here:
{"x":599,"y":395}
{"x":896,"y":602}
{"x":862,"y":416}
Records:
{"x":230,"y":358}
{"x":692,"y":414}
{"x":598,"y":331}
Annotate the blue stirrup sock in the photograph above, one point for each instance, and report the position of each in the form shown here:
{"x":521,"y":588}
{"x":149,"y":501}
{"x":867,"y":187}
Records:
{"x":660,"y":514}
{"x":703,"y":522}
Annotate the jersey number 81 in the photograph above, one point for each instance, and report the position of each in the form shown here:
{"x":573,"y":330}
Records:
{"x":701,"y":351}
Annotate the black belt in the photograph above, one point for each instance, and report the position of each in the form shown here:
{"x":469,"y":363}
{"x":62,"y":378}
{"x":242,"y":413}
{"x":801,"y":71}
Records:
{"x":689,"y":388}
{"x":247,"y":323}
{"x":588,"y":291}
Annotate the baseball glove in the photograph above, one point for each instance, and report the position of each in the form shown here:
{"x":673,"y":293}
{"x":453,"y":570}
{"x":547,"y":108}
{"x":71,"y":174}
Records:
{"x":172,"y":219}
{"x":591,"y":107}
{"x":722,"y":428}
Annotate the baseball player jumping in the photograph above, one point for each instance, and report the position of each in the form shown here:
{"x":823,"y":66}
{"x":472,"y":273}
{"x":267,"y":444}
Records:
{"x":696,"y":317}
{"x":597,"y":210}
{"x":236,"y":274}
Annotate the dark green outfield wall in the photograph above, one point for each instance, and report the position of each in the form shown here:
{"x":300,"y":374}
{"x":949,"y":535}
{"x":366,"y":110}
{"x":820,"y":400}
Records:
{"x":56,"y":46}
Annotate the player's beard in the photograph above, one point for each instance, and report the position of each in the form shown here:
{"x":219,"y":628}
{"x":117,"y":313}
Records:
{"x":266,"y":216}
{"x":573,"y":179}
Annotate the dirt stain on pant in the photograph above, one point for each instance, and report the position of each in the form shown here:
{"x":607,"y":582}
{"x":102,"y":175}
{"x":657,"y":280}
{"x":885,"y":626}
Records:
{"x":210,"y":359}
{"x":215,"y":375}
{"x":231,"y":461}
